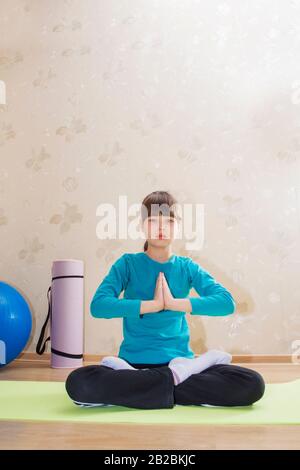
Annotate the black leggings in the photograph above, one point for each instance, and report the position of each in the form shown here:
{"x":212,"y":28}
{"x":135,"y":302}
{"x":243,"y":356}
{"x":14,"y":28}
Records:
{"x":220,"y":384}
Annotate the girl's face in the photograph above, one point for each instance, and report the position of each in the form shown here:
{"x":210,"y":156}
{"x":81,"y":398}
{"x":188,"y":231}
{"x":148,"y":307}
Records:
{"x":160,"y":229}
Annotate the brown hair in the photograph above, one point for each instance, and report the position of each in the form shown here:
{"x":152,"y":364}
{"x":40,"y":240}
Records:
{"x":161,"y":198}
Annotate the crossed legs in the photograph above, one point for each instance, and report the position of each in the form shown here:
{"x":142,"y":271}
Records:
{"x":218,"y":385}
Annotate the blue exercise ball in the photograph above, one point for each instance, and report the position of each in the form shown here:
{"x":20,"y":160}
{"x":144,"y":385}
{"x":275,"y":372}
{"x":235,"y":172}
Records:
{"x":15,"y":323}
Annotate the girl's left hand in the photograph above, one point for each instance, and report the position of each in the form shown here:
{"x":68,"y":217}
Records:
{"x":169,"y":300}
{"x":173,"y":303}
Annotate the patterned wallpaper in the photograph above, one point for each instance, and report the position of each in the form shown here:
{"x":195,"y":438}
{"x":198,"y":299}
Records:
{"x":201,"y":98}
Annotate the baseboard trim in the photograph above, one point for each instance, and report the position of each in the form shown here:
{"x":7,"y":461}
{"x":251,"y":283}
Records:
{"x":236,"y":358}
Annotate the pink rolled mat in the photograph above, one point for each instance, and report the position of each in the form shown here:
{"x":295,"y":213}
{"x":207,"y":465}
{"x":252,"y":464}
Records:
{"x":66,"y":313}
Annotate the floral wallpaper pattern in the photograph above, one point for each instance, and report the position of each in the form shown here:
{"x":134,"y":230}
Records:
{"x":108,"y":98}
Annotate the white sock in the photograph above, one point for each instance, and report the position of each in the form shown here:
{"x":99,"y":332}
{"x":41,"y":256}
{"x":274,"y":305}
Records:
{"x":90,"y":405}
{"x":116,"y":363}
{"x":213,"y":406}
{"x":183,"y":367}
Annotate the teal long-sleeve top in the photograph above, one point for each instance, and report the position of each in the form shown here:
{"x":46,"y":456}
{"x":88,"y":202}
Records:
{"x":156,"y":338}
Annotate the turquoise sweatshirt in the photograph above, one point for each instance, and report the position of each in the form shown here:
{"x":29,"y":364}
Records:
{"x":156,"y":338}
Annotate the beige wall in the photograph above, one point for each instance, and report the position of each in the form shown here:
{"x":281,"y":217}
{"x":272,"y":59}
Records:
{"x":109,"y":98}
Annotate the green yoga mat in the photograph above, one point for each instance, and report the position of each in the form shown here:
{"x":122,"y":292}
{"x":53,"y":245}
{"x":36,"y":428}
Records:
{"x":48,"y":401}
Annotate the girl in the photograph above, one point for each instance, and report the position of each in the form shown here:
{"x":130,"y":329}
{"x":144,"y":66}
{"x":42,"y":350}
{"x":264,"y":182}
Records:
{"x":155,"y":367}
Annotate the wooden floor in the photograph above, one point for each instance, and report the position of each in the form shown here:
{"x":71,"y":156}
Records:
{"x":46,"y":435}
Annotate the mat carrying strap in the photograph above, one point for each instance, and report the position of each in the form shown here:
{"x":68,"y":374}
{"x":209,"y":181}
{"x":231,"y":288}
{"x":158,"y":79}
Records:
{"x":40,"y":347}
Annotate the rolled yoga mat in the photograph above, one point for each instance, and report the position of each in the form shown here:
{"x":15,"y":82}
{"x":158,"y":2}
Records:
{"x":66,"y":314}
{"x":48,"y":401}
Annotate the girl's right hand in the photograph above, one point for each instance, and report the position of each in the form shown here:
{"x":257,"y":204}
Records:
{"x":158,"y":293}
{"x":157,"y":304}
